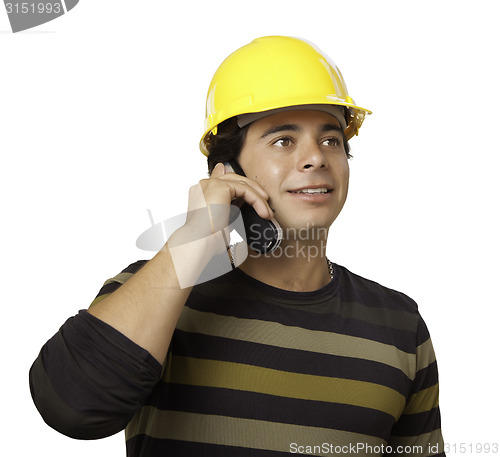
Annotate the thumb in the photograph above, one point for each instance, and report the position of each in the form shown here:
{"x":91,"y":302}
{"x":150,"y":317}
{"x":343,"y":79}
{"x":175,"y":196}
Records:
{"x":218,"y":170}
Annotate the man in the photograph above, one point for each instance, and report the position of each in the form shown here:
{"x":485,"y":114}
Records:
{"x":289,"y":352}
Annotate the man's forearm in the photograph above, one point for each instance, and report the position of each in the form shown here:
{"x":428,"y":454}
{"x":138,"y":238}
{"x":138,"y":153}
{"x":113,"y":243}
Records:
{"x":146,"y":308}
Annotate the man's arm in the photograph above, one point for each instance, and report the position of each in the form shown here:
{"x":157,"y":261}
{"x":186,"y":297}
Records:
{"x":91,"y":377}
{"x":146,"y":308}
{"x":417,"y":433}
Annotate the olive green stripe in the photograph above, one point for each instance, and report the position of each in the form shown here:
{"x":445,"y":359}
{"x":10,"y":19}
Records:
{"x":121,"y":278}
{"x":275,"y":334}
{"x":431,"y":443}
{"x":98,"y":299}
{"x":423,"y":401}
{"x":425,"y":355}
{"x":231,"y":431}
{"x":239,"y":376}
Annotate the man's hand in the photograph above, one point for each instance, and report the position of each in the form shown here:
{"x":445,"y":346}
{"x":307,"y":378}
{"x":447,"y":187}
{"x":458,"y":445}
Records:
{"x":219,"y":191}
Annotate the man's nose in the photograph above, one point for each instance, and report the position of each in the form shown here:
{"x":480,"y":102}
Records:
{"x":311,"y":156}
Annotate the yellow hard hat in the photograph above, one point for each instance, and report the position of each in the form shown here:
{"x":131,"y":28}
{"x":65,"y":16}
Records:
{"x":276,"y":72}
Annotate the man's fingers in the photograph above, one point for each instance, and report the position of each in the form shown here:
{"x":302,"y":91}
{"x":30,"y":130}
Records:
{"x":239,"y":187}
{"x":242,"y":189}
{"x":245,"y":181}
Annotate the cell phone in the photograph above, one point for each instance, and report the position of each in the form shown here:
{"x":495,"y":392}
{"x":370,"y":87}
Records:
{"x":263,"y":235}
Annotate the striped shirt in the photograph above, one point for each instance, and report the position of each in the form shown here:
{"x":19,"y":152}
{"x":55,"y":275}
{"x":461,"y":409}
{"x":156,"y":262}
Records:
{"x":253,"y":370}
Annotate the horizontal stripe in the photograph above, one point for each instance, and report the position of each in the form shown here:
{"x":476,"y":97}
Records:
{"x":106,"y":290}
{"x":239,"y":376}
{"x":110,"y":285}
{"x":293,"y":360}
{"x":135,"y":267}
{"x":229,"y":431}
{"x":425,"y":378}
{"x":422,"y":332}
{"x":431,"y":443}
{"x":425,"y":355}
{"x":252,"y":405}
{"x":424,"y":422}
{"x":398,"y":320}
{"x":423,"y":401}
{"x":146,"y":446}
{"x":98,"y":299}
{"x":351,"y":287}
{"x":326,"y":306}
{"x":121,"y":278}
{"x":372,"y":293}
{"x":330,"y":315}
{"x":275,"y":334}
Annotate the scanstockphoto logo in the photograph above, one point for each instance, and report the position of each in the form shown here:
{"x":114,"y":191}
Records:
{"x":25,"y":15}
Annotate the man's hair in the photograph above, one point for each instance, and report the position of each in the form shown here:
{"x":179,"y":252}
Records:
{"x":228,"y":143}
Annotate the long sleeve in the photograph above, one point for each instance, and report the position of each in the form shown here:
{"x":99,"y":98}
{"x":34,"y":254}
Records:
{"x":418,"y":430}
{"x":89,"y":379}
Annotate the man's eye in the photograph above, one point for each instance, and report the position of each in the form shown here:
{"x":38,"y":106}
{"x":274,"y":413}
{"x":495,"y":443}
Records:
{"x":283,"y":142}
{"x":331,"y":142}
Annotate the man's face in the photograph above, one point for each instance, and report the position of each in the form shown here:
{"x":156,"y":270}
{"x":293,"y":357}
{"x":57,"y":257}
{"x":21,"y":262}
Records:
{"x":293,"y":154}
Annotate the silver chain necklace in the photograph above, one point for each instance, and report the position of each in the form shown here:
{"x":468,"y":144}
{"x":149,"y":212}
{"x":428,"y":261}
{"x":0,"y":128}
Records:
{"x":330,"y":267}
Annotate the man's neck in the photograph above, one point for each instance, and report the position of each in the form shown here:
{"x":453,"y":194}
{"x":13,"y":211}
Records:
{"x":295,"y":266}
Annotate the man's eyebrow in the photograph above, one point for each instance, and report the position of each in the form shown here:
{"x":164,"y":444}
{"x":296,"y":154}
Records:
{"x":329,"y":127}
{"x":280,"y":128}
{"x":296,"y":128}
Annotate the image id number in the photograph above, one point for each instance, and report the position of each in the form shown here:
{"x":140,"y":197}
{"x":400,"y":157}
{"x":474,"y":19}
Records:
{"x":33,"y":8}
{"x":471,"y":448}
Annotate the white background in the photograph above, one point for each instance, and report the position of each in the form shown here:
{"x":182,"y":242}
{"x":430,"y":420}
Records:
{"x":101,"y":112}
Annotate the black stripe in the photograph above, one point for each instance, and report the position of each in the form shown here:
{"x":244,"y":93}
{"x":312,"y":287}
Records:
{"x":346,"y":285}
{"x":135,"y":267}
{"x":371,"y":293}
{"x":291,"y":360}
{"x":146,"y":446}
{"x":417,"y":424}
{"x":425,"y":378}
{"x":422,"y":333}
{"x":374,"y":315}
{"x":108,"y":288}
{"x":252,"y":405}
{"x":328,"y":321}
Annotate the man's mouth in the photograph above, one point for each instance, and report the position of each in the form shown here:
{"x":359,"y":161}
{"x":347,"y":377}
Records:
{"x":318,"y":190}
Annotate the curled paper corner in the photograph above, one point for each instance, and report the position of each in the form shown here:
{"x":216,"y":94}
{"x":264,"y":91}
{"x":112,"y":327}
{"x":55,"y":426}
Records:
{"x":155,"y":237}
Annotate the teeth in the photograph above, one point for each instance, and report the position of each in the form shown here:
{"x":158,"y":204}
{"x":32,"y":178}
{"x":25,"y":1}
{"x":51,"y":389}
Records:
{"x":320,"y":190}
